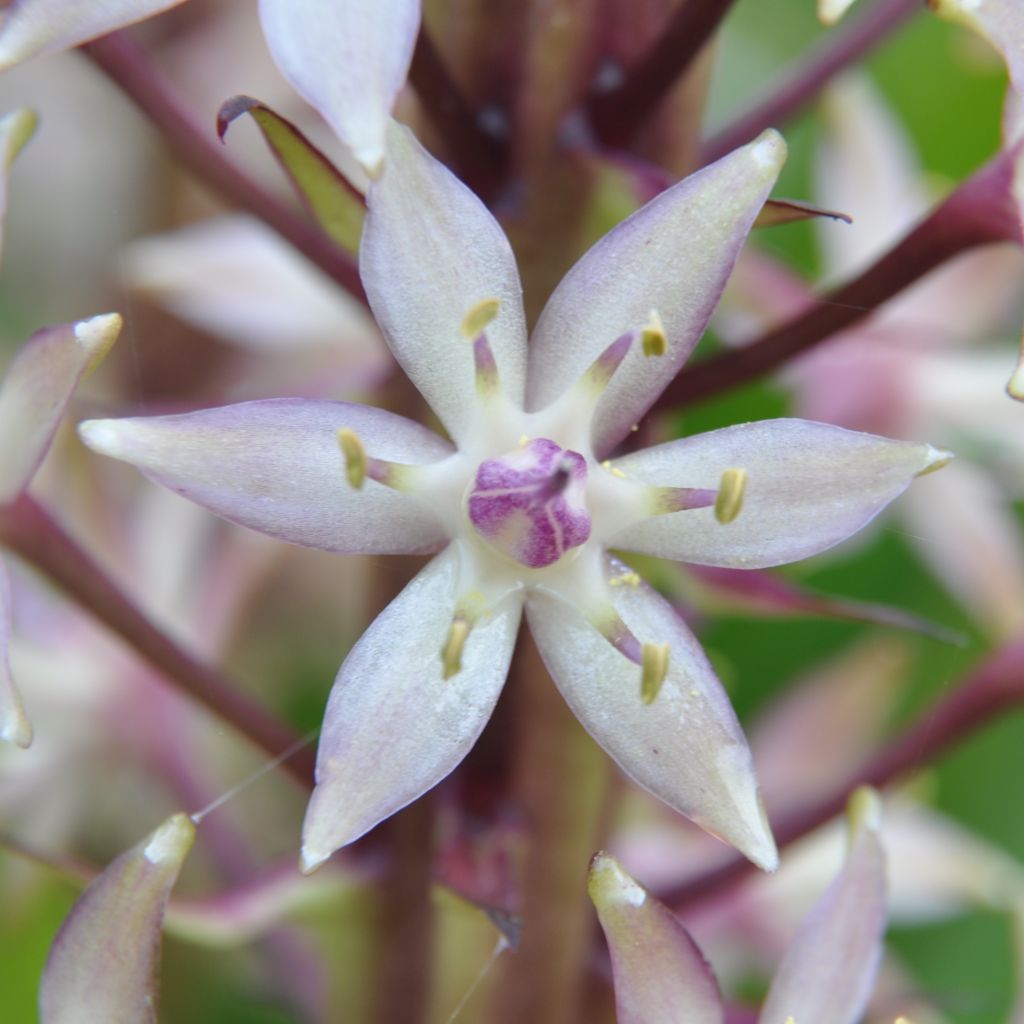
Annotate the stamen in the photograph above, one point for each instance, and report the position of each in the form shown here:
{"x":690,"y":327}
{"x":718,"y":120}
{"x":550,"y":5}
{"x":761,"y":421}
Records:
{"x":655,"y":667}
{"x":604,"y":366}
{"x":451,"y":653}
{"x":679,"y":499}
{"x":355,"y":457}
{"x":359,"y":465}
{"x":477,"y":320}
{"x":652,"y":336}
{"x":729,"y":502}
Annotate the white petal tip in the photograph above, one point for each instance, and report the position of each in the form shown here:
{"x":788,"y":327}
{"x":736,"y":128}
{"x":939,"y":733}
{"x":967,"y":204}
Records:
{"x":310,"y":860}
{"x":935,"y":459}
{"x":371,"y":159}
{"x":100,"y":435}
{"x":609,"y":884}
{"x":18,"y":731}
{"x":170,"y":843}
{"x":830,"y":11}
{"x":97,"y":336}
{"x":1015,"y":385}
{"x":768,"y":150}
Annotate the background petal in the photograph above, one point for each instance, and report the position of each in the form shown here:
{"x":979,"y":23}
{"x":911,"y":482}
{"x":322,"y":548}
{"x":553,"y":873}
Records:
{"x":37,"y":389}
{"x":33,"y":27}
{"x":14,"y":724}
{"x":686,"y":747}
{"x":431,"y":251}
{"x":347,"y":58}
{"x":673,"y":256}
{"x":810,"y":486}
{"x":394,"y":727}
{"x":660,"y":975}
{"x":103,"y":964}
{"x":275,"y":466}
{"x":828,"y":971}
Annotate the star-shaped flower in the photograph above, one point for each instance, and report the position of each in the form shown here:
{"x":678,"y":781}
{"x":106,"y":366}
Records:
{"x":523,"y":505}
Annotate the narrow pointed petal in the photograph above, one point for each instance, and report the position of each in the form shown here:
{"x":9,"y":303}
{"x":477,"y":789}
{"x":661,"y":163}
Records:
{"x":37,"y":389}
{"x":327,"y":196}
{"x":673,"y":256}
{"x":431,"y":252}
{"x":14,"y":724}
{"x":809,"y":487}
{"x":274,"y":466}
{"x":394,"y":725}
{"x":828,"y":971}
{"x":15,"y":130}
{"x":348,"y":59}
{"x":104,"y":963}
{"x":686,"y":747}
{"x":33,"y":27}
{"x":660,"y":975}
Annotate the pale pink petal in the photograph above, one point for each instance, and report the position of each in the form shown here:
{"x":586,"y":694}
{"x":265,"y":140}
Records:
{"x":275,"y":466}
{"x":347,"y":58}
{"x":14,"y":724}
{"x":673,"y":257}
{"x":865,"y":167}
{"x":660,"y":975}
{"x":394,"y":726}
{"x":29,"y":28}
{"x":15,"y":130}
{"x":104,"y":963}
{"x":37,"y":389}
{"x":963,"y":526}
{"x":1001,"y":22}
{"x":828,"y":971}
{"x":431,"y":251}
{"x":809,"y":487}
{"x":686,"y":747}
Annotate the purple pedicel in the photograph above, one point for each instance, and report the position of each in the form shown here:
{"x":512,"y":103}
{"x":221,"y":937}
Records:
{"x":530,"y":505}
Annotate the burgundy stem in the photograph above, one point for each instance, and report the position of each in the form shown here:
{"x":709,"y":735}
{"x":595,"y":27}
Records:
{"x":995,"y":687}
{"x":131,"y":68}
{"x":616,"y":115}
{"x":27,"y":529}
{"x":981,"y":211}
{"x":838,"y":50}
{"x":478,"y":156}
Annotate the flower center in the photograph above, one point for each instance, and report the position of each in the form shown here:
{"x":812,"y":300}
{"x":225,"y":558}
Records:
{"x":530,"y":504}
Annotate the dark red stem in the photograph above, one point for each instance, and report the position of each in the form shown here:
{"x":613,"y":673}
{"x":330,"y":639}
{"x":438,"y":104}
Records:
{"x":617,"y":114}
{"x":837,"y":50}
{"x":995,"y":687}
{"x":27,"y":529}
{"x":981,"y":211}
{"x":129,"y":66}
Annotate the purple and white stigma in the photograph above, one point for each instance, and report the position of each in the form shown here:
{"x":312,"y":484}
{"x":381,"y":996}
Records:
{"x":530,"y":503}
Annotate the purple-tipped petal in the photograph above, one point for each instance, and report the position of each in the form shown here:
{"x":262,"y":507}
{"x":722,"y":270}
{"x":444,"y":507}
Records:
{"x":809,"y":487}
{"x":103,"y":965}
{"x":15,"y":130}
{"x":828,"y":971}
{"x":660,"y":975}
{"x":673,"y":257}
{"x":275,"y":466}
{"x":30,"y":28}
{"x":347,"y":58}
{"x":394,"y":725}
{"x":431,"y":252}
{"x":686,"y":747}
{"x":37,"y":389}
{"x":14,"y":724}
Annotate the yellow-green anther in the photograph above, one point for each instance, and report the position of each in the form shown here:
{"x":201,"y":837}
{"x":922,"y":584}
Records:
{"x":652,"y":336}
{"x":863,"y":810}
{"x":451,"y":653}
{"x":731,"y":489}
{"x":1015,"y":385}
{"x":355,"y":456}
{"x":654,"y":668}
{"x":477,"y":319}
